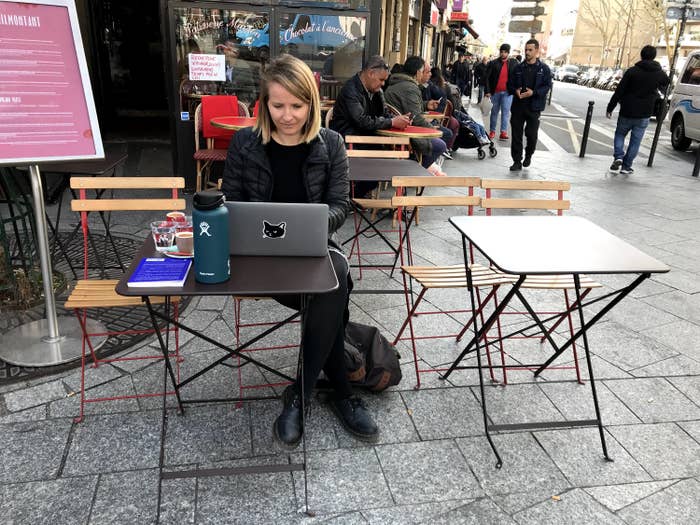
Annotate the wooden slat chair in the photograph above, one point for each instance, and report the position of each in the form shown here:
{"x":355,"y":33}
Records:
{"x":380,"y":148}
{"x":430,"y":277}
{"x":93,"y":293}
{"x":546,"y":196}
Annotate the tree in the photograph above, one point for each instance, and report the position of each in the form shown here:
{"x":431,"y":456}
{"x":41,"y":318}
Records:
{"x":657,"y":11}
{"x":604,"y":16}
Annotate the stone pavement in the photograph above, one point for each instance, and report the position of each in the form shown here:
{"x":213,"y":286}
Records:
{"x":432,"y":463}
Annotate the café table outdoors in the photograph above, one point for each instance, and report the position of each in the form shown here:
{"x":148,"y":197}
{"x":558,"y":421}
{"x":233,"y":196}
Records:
{"x":412,"y":132}
{"x":547,"y":245}
{"x":251,"y":277}
{"x":233,"y":123}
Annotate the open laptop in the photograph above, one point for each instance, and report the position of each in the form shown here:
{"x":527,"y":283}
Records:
{"x":278,"y":228}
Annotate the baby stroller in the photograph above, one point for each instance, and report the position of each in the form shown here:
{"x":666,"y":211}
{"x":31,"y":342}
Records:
{"x":473,"y":135}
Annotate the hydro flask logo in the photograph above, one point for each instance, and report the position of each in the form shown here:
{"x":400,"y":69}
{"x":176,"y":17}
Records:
{"x":204,"y":229}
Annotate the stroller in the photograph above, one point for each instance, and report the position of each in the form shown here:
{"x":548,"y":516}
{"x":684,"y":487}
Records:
{"x":473,"y":135}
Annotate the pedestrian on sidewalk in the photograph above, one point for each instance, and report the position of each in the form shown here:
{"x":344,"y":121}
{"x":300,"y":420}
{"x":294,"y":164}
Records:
{"x":530,"y":83}
{"x":637,"y":93}
{"x":480,"y":70}
{"x":461,"y":75}
{"x":498,"y":72}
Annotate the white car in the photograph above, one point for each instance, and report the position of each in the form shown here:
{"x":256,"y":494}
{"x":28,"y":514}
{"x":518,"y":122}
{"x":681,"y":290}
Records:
{"x":684,"y":111}
{"x":567,"y":73}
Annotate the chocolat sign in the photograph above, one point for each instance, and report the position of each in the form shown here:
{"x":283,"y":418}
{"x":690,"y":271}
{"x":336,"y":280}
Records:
{"x":47,"y":112}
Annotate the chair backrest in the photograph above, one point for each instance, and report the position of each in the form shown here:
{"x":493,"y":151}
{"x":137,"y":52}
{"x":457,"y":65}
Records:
{"x":256,"y":108}
{"x":525,"y":194}
{"x":377,"y":147}
{"x":197,"y":126}
{"x":329,"y":117}
{"x":218,"y":106}
{"x":243,"y":110}
{"x":394,"y":111}
{"x":449,"y":110}
{"x":465,"y":184}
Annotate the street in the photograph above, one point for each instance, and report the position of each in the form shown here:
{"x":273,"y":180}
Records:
{"x":562,"y":123}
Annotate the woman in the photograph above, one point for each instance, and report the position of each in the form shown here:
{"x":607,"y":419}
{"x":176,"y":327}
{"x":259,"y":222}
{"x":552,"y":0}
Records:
{"x":288,"y":157}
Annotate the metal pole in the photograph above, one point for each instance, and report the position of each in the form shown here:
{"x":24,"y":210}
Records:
{"x":42,"y":239}
{"x":662,"y":115}
{"x":586,"y":129}
{"x":696,"y":166}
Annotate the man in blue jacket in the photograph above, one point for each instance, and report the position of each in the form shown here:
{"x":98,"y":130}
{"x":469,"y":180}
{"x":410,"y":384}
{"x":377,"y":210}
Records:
{"x":530,"y":83}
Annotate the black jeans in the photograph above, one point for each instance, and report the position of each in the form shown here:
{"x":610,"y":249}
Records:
{"x":324,"y":335}
{"x":522,"y":116}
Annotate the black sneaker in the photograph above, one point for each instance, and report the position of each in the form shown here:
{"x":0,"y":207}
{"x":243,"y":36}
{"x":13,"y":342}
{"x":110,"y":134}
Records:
{"x":516,"y":166}
{"x":526,"y":162}
{"x":615,"y":166}
{"x":353,"y":414}
{"x":447,"y":154}
{"x":626,"y":171}
{"x":287,"y":428}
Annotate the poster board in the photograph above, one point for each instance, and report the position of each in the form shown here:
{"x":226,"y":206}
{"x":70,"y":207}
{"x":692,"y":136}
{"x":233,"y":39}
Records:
{"x":47,"y":111}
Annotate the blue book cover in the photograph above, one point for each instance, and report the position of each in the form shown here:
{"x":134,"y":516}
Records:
{"x":153,"y":272}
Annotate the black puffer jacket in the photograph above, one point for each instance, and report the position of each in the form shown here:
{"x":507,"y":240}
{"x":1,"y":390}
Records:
{"x":638,"y":90}
{"x":248,"y":176}
{"x":354,"y":113}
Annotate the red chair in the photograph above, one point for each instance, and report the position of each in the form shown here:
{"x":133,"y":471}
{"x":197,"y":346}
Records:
{"x":255,"y":108}
{"x":218,"y":106}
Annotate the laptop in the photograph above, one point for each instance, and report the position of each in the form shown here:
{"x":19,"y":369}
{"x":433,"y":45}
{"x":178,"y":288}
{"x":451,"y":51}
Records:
{"x":278,"y":228}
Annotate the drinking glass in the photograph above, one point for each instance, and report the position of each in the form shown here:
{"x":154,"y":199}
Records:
{"x":163,"y":235}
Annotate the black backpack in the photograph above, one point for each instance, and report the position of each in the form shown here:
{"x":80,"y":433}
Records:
{"x":371,"y":360}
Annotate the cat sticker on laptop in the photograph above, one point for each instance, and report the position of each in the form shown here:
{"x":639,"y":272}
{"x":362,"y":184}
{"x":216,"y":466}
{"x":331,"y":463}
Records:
{"x":274,"y":231}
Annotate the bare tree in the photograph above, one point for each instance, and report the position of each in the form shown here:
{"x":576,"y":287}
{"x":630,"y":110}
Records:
{"x":656,"y":10}
{"x":604,"y":16}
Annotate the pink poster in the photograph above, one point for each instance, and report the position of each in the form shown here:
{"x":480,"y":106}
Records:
{"x":46,"y":111}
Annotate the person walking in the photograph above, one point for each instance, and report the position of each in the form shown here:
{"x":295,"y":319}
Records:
{"x":637,"y":93}
{"x":461,"y":74}
{"x":498,"y":72}
{"x":530,"y":83}
{"x":480,"y":70}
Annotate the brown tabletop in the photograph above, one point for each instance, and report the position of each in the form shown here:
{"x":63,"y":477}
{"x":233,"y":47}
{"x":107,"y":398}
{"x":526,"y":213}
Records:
{"x":233,"y":123}
{"x":412,"y":132}
{"x":252,"y":276}
{"x":553,"y":245}
{"x":367,"y":169}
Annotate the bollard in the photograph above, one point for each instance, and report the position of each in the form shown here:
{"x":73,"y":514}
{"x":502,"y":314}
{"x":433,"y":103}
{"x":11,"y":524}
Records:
{"x":549,"y":97}
{"x":586,"y":129}
{"x":696,"y":166}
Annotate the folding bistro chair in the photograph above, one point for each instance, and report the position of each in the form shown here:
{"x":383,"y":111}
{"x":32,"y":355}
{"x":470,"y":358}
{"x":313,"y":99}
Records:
{"x":94,"y":293}
{"x":533,"y":195}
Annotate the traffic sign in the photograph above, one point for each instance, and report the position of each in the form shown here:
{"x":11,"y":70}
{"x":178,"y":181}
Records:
{"x":676,"y":13}
{"x":527,"y":11}
{"x":525,"y":26}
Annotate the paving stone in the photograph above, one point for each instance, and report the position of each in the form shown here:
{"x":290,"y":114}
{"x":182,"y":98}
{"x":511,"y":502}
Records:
{"x":690,"y":386}
{"x":680,"y":280}
{"x":616,"y":497}
{"x":679,"y":304}
{"x":36,"y":395}
{"x":519,"y":404}
{"x":32,"y":450}
{"x":574,"y":507}
{"x":427,"y":471}
{"x":216,"y":303}
{"x":93,"y":376}
{"x":206,"y":434}
{"x":676,"y":505}
{"x":126,"y":497}
{"x":477,"y":512}
{"x":10,"y":387}
{"x":692,"y":428}
{"x":198,"y":319}
{"x":343,"y":480}
{"x":31,"y":414}
{"x":663,"y":449}
{"x":70,"y":406}
{"x":639,"y":314}
{"x":679,"y":365}
{"x":444,"y":413}
{"x":654,"y":400}
{"x":517,"y":501}
{"x":575,"y":402}
{"x":178,"y":501}
{"x":579,"y":455}
{"x":59,"y":501}
{"x":114,"y":442}
{"x":147,"y":355}
{"x":525,"y":464}
{"x":602,"y":369}
{"x":410,"y":514}
{"x":677,"y":336}
{"x":218,"y":330}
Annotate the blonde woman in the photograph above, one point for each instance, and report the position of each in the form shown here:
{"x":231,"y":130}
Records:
{"x":288,"y":157}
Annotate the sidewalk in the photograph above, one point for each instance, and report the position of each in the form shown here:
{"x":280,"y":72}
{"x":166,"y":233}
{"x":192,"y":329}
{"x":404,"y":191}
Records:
{"x":432,"y":463}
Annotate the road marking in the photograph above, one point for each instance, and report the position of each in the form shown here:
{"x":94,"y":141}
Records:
{"x":549,"y":143}
{"x":603,"y":131}
{"x":574,"y":137}
{"x":564,"y":111}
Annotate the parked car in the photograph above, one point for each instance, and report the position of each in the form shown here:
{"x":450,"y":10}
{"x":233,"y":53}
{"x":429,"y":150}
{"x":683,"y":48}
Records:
{"x":568,"y":73}
{"x":684,"y":110}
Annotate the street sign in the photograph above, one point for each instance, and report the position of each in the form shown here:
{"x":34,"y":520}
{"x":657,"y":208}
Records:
{"x":525,"y":26}
{"x":527,"y":11}
{"x":676,"y":13}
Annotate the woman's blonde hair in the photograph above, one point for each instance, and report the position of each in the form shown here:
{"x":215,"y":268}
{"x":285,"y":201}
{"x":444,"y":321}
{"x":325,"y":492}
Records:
{"x":296,"y":77}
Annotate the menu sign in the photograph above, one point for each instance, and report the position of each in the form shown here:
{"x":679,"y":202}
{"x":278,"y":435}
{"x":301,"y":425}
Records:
{"x":47,"y":112}
{"x":207,"y":67}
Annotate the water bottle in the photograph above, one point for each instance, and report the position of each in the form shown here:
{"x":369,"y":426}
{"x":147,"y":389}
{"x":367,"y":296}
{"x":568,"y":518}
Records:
{"x":210,"y":228}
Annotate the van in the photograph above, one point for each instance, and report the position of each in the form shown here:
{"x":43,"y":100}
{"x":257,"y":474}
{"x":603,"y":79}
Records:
{"x":684,"y":111}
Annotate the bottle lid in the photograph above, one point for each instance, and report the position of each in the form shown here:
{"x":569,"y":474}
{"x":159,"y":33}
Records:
{"x":208,"y":200}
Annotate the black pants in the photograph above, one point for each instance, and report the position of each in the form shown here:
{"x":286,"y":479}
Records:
{"x":522,"y":116}
{"x":324,"y":335}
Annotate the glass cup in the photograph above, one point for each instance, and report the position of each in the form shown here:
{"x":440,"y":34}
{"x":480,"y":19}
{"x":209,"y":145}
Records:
{"x":163,"y":235}
{"x":176,"y":216}
{"x":185,"y":225}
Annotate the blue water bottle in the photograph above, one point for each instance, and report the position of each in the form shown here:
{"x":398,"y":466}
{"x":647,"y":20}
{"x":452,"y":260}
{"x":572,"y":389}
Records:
{"x":210,"y":228}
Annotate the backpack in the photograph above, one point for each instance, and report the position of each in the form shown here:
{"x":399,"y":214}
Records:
{"x":371,"y":361}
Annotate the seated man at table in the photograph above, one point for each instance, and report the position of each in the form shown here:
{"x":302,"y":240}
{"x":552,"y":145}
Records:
{"x":403,"y":92}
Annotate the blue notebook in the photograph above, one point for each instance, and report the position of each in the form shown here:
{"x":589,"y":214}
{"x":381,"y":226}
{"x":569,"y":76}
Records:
{"x":155,"y":272}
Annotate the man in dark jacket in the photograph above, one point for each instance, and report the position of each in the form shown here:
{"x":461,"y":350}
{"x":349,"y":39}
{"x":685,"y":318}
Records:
{"x":360,"y":107}
{"x":480,"y":70}
{"x":497,"y":75}
{"x":530,"y":83}
{"x":461,"y":73}
{"x":637,"y":93}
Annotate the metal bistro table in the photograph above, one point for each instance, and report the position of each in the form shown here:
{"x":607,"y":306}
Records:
{"x":233,"y":123}
{"x":523,"y":246}
{"x":250,"y":276}
{"x":380,"y":170}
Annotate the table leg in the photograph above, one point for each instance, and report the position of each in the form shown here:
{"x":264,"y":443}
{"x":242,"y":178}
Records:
{"x":300,"y":374}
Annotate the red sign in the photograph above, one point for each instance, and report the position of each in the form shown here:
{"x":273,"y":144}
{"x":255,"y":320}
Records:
{"x":459,"y":17}
{"x":46,"y":107}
